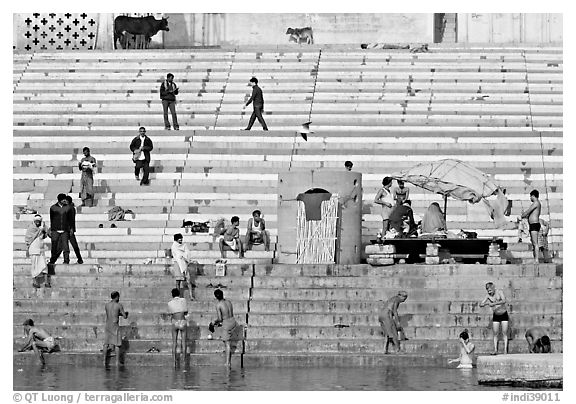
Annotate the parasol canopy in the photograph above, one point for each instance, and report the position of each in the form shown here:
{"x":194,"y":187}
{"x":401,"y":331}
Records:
{"x":450,"y":177}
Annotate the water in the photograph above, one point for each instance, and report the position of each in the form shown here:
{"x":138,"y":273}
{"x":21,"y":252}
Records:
{"x":53,"y":377}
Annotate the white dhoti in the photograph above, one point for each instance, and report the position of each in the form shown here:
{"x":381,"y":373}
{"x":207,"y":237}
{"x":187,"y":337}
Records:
{"x":38,"y":260}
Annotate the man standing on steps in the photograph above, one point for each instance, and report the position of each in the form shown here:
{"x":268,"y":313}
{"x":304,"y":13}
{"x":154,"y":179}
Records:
{"x":112,"y":338}
{"x":60,"y":222}
{"x":168,"y":93}
{"x":178,"y":310}
{"x":390,"y":322}
{"x":141,"y":146}
{"x":257,"y":101}
{"x":497,"y":301}
{"x":227,"y":321}
{"x":533,"y":215}
{"x":71,"y":235}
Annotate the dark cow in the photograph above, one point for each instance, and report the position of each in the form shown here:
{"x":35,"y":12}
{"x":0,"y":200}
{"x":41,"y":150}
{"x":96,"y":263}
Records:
{"x":148,"y":26}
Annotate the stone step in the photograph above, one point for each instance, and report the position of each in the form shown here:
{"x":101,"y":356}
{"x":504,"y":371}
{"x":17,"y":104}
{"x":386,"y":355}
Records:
{"x":430,"y":282}
{"x":283,"y":346}
{"x":159,"y":304}
{"x":483,"y":332}
{"x":139,"y":270}
{"x":456,"y":307}
{"x":135,"y":320}
{"x":416,"y":270}
{"x":138,"y":281}
{"x":95,"y":332}
{"x":298,"y":319}
{"x":128,"y":293}
{"x":418,"y":294}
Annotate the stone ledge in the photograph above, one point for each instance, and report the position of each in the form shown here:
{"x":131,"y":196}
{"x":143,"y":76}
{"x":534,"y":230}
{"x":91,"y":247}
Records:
{"x":527,"y":370}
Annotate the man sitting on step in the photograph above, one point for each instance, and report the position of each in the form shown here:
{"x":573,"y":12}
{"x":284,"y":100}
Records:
{"x":231,"y":238}
{"x":256,"y":232}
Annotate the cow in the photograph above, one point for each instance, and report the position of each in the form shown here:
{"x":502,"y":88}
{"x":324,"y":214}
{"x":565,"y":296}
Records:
{"x":148,"y":26}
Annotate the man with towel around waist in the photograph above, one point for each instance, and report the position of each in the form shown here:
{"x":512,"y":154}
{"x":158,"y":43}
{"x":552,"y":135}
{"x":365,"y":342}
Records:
{"x":178,"y":309}
{"x":226,"y":321}
{"x":114,"y":310}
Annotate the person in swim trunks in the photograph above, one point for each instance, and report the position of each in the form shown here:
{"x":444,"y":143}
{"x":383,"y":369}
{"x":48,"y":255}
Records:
{"x":389,"y":320}
{"x":538,"y":340}
{"x":496,"y":300}
{"x":227,"y":321}
{"x":178,"y":309}
{"x":533,"y":215}
{"x":38,"y":340}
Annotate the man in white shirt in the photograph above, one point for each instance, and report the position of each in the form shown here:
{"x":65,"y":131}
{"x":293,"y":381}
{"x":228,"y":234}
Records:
{"x":182,"y":257}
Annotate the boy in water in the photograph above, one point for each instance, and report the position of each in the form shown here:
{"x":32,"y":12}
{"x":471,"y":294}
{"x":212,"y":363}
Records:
{"x":533,"y":215}
{"x":231,"y":238}
{"x":496,"y":300}
{"x":225,"y":320}
{"x":256,"y":232}
{"x":466,"y":358}
{"x":114,"y":310}
{"x":178,"y":309}
{"x":38,"y":340}
{"x":348,"y":165}
{"x":389,"y":320}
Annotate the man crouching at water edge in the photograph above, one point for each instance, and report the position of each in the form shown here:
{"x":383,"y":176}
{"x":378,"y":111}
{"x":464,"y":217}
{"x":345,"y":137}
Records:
{"x":38,"y":340}
{"x":390,"y":322}
{"x":538,"y":340}
{"x":114,"y":310}
{"x":226,"y":321}
{"x":178,"y":309}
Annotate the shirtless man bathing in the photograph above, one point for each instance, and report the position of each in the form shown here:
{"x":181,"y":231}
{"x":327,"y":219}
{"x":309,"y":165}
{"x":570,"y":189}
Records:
{"x":114,"y":310}
{"x":533,"y":215}
{"x":37,"y":340}
{"x":389,"y":320}
{"x":178,"y":309}
{"x":226,"y":320}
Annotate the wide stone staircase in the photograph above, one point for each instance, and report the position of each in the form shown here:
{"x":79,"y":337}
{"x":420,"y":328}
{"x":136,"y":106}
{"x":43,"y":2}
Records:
{"x":499,"y":109}
{"x":293,"y":315}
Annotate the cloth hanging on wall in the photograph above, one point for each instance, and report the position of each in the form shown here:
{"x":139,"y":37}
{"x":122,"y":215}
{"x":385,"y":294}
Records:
{"x":312,"y":200}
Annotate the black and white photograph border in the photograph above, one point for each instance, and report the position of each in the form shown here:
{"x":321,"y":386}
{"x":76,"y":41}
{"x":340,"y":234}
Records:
{"x":392,"y":224}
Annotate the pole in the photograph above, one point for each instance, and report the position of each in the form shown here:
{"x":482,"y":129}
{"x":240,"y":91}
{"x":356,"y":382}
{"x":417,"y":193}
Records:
{"x":445,"y":205}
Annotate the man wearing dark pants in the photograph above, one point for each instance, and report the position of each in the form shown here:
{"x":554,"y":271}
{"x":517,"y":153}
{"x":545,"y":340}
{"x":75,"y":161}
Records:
{"x":71,"y":235}
{"x":257,"y":101}
{"x":141,"y":146}
{"x":60,"y":220}
{"x":168,"y":93}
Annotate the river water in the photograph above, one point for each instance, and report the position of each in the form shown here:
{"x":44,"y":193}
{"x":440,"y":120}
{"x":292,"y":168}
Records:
{"x":54,"y":377}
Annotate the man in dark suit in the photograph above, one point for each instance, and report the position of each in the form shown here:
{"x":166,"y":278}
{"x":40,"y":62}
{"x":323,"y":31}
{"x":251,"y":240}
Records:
{"x":141,"y":146}
{"x":257,"y":101}
{"x":60,"y":221}
{"x":71,"y":235}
